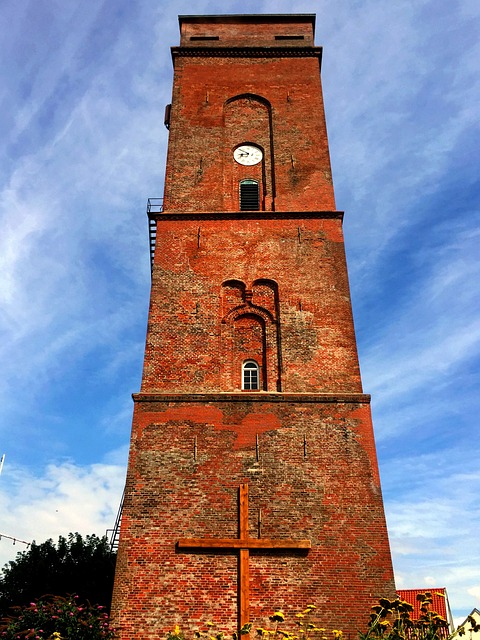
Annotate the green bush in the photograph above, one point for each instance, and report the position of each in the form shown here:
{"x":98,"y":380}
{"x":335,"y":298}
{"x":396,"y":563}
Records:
{"x":57,"y":618}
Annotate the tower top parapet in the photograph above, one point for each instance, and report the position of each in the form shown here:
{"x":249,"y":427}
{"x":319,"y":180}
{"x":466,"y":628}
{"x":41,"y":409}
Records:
{"x":264,"y":30}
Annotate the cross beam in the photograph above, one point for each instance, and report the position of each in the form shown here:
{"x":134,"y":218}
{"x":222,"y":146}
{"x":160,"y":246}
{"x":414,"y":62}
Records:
{"x":243,"y":544}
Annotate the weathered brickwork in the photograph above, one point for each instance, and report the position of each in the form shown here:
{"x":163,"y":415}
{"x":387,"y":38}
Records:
{"x":311,"y":468}
{"x":310,"y":336}
{"x":268,"y":286}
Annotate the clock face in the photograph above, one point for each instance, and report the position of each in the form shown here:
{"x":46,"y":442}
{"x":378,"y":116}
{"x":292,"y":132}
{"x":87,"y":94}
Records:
{"x":248,"y":155}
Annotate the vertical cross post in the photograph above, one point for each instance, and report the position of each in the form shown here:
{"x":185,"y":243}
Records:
{"x":244,"y":568}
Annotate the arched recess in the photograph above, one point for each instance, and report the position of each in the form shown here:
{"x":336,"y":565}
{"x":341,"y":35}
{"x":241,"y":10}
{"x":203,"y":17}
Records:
{"x":249,"y":342}
{"x":265,"y":295}
{"x":248,"y":120}
{"x":233,"y":295}
{"x":250,"y":332}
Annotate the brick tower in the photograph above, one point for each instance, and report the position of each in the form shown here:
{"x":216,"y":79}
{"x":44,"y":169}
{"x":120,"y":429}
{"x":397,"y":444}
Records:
{"x":252,"y":480}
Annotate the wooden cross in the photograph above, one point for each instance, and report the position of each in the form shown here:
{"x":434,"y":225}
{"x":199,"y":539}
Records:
{"x":243,"y":544}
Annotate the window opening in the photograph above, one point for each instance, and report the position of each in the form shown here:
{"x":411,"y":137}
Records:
{"x":250,"y":376}
{"x":168,"y":112}
{"x":249,"y":195}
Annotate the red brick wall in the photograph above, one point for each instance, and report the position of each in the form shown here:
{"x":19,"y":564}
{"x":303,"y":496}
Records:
{"x":315,"y":477}
{"x":227,"y":287}
{"x":282,"y":113}
{"x":246,"y":31}
{"x":310,"y":336}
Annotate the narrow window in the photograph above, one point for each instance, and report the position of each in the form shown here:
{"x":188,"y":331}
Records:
{"x":166,"y":119}
{"x":250,"y":376}
{"x":249,"y":195}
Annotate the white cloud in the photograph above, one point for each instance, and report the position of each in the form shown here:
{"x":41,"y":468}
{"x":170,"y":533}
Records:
{"x":63,"y":498}
{"x":433,"y":515}
{"x":475,"y":592}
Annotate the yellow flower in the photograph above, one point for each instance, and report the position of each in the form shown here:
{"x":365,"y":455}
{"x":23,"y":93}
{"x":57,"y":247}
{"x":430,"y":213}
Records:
{"x":176,"y":631}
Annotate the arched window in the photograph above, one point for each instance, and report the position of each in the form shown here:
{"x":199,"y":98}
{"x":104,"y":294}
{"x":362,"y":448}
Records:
{"x":250,"y":376}
{"x":249,"y":195}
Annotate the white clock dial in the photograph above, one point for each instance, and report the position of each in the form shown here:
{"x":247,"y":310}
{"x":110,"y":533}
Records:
{"x":248,"y":155}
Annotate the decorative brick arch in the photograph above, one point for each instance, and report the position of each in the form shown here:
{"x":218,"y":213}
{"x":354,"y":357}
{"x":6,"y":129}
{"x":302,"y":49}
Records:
{"x":250,"y":332}
{"x":251,"y":96}
{"x":234,"y":314}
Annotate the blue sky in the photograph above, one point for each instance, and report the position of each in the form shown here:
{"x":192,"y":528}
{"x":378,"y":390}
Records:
{"x":83,"y":89}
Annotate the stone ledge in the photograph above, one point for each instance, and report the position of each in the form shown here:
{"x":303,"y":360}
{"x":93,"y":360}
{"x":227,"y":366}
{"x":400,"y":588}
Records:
{"x":246,"y":215}
{"x":201,"y":398}
{"x":189,"y":51}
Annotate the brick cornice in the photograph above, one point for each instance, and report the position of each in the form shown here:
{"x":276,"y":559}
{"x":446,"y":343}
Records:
{"x":248,"y":215}
{"x":297,"y":398}
{"x":247,"y":52}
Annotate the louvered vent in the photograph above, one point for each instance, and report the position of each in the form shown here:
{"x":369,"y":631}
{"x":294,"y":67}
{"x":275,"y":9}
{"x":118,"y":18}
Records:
{"x":249,"y":195}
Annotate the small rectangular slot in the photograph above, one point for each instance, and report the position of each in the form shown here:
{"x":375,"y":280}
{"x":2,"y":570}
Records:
{"x":289,"y":37}
{"x":197,"y":38}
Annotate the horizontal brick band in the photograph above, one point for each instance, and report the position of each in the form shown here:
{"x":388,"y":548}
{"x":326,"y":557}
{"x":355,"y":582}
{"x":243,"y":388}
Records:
{"x":320,"y":398}
{"x":248,"y":52}
{"x":248,"y":215}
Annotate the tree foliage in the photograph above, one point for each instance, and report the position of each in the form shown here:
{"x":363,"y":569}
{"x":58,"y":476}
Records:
{"x":75,"y":565}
